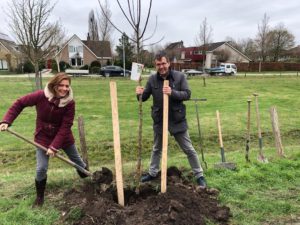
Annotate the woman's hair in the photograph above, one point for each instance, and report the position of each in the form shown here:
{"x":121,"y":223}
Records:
{"x":55,"y":81}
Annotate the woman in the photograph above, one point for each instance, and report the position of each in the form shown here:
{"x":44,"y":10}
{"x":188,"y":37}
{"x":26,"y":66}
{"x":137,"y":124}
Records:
{"x":55,"y":109}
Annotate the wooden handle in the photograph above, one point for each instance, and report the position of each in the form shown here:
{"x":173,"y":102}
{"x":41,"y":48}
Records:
{"x":117,"y":148}
{"x":165,"y":141}
{"x":219,"y":129}
{"x":257,"y":116}
{"x":86,"y":172}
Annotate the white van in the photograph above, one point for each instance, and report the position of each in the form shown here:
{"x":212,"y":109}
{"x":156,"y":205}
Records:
{"x":223,"y":69}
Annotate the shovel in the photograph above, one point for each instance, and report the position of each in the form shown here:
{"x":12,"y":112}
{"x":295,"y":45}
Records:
{"x":81,"y":169}
{"x":260,"y":157}
{"x":223,"y":164}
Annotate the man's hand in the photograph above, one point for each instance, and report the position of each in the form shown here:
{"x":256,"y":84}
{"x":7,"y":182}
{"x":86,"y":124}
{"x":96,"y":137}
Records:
{"x":167,"y":90}
{"x":51,"y":152}
{"x":3,"y":126}
{"x":139,"y":90}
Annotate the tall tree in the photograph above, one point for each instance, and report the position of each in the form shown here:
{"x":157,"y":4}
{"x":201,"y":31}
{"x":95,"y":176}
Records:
{"x":105,"y":27}
{"x":262,"y":37}
{"x":204,"y":37}
{"x":125,"y":46}
{"x":280,"y":39}
{"x":29,"y":22}
{"x":93,"y":33}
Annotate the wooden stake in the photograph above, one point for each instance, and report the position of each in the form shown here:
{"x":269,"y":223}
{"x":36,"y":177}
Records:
{"x":276,"y":131}
{"x":248,"y":131}
{"x":82,"y":141}
{"x":117,"y":148}
{"x":165,"y":141}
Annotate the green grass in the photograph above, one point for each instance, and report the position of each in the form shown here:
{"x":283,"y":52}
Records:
{"x":256,"y":193}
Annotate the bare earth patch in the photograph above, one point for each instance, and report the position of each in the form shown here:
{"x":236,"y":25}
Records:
{"x":183,"y":204}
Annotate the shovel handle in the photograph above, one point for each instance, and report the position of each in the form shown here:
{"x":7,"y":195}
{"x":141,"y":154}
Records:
{"x":86,"y":172}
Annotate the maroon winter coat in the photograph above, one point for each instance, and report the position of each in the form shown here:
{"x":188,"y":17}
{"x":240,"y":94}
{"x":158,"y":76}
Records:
{"x":53,"y":121}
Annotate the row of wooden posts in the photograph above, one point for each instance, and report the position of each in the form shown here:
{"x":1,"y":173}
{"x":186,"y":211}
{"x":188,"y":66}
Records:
{"x":117,"y":146}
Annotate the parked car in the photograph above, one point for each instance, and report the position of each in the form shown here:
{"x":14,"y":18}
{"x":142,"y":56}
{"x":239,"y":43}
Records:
{"x":109,"y":71}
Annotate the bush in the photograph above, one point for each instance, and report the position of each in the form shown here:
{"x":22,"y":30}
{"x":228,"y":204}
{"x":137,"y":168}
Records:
{"x":95,"y":64}
{"x":85,"y":67}
{"x":28,"y":67}
{"x":95,"y":70}
{"x":63,"y":66}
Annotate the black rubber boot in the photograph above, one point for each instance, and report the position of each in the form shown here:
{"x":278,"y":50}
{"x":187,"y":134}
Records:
{"x":81,"y":174}
{"x":40,"y":190}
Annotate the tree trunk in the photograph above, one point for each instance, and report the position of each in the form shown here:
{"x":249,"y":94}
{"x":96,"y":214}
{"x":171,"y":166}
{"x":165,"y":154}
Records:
{"x":38,"y":77}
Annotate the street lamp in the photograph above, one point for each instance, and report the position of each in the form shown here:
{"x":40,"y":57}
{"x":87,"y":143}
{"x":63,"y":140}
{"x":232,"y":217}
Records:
{"x":123,"y":55}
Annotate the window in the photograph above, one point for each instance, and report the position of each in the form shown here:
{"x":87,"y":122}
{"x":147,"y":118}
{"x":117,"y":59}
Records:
{"x":197,"y":52}
{"x":71,"y":48}
{"x":79,"y":49}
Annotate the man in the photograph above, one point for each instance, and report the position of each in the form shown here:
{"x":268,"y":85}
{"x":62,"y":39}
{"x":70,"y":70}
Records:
{"x":178,"y":92}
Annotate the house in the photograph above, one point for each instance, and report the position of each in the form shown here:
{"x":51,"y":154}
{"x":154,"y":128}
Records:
{"x":291,"y":55}
{"x":213,"y":54}
{"x":173,"y":51}
{"x":79,"y":52}
{"x":10,"y":57}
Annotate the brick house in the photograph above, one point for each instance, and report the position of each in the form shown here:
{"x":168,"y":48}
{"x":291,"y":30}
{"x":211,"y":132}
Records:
{"x":173,"y":51}
{"x":79,"y":52}
{"x":215,"y":53}
{"x":10,"y":57}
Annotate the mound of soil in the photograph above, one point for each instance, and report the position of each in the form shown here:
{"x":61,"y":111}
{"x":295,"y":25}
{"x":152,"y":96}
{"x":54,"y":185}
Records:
{"x":183,"y":204}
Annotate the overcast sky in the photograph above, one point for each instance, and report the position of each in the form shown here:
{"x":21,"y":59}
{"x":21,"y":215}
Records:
{"x":180,"y":20}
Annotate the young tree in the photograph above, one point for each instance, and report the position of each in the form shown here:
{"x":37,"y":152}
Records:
{"x":280,"y":39}
{"x":133,"y":15}
{"x":204,"y":37}
{"x":262,"y":37}
{"x":29,"y":22}
{"x":132,"y":12}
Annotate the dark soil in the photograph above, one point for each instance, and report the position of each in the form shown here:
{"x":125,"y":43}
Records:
{"x":182,"y":204}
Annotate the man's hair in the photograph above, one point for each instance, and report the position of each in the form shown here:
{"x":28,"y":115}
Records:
{"x":160,"y":55}
{"x":55,"y":81}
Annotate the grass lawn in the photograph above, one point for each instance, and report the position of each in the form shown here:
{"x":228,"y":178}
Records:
{"x":256,"y":193}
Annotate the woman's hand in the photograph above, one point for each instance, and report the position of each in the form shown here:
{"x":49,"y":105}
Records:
{"x":3,"y":126}
{"x":51,"y":152}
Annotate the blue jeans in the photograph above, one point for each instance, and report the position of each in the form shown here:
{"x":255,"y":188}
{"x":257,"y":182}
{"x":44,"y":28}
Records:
{"x":184,"y":141}
{"x":42,"y":161}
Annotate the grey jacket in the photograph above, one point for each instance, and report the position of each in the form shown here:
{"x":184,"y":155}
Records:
{"x":177,"y":110}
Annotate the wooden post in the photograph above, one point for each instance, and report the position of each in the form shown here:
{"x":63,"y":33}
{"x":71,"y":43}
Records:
{"x":165,"y":141}
{"x":204,"y":83}
{"x":248,"y":131}
{"x":117,"y":148}
{"x":276,"y":131}
{"x":82,"y":141}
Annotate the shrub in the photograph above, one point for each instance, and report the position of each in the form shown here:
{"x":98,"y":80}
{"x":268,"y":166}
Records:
{"x":95,"y":70}
{"x":28,"y":67}
{"x":85,"y":67}
{"x":95,"y":64}
{"x":63,"y":66}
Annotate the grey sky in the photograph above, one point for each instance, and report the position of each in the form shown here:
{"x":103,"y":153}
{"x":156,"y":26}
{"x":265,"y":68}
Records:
{"x":180,"y":20}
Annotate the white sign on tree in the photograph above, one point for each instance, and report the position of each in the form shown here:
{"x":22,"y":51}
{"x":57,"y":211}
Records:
{"x":136,"y":71}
